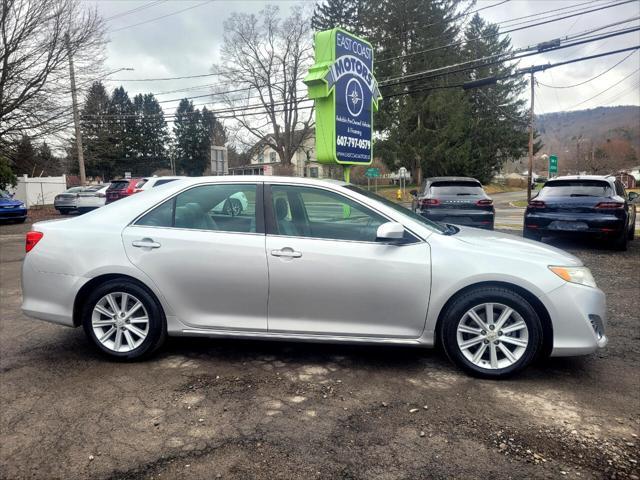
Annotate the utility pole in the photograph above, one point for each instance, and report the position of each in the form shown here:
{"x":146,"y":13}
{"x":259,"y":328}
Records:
{"x":76,"y":115}
{"x":530,"y":173}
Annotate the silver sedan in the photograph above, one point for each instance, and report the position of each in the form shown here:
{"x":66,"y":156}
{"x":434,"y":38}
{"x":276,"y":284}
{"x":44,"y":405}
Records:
{"x":306,"y":260}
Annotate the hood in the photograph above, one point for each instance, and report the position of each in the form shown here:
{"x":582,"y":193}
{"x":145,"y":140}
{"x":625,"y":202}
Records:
{"x":515,"y":247}
{"x":9,"y":202}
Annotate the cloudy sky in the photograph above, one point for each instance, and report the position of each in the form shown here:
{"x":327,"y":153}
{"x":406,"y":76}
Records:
{"x":186,"y":41}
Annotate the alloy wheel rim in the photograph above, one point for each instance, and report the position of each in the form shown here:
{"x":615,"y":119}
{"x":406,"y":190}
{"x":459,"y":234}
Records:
{"x":492,"y":336}
{"x":120,"y":322}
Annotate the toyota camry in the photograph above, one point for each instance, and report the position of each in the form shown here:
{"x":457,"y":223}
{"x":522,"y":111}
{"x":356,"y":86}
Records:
{"x":306,"y":260}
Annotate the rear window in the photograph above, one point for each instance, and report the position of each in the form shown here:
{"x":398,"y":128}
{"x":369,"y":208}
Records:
{"x":576,"y":188}
{"x":456,"y":188}
{"x":119,"y":185}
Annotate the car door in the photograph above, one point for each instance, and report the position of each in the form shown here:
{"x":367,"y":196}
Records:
{"x":210,"y":266}
{"x":329,"y":276}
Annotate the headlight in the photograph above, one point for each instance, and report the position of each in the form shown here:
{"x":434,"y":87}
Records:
{"x":579,"y":275}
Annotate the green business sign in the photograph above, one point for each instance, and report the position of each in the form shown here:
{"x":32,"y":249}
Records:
{"x":372,"y":173}
{"x":553,"y":164}
{"x":346,"y":94}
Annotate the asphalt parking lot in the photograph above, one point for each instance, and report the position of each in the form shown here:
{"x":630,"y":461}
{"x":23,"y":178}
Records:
{"x":238,"y":409}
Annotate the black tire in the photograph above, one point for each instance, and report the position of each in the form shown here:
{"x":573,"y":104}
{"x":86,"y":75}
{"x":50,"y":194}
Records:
{"x":530,"y":234}
{"x":632,"y":232}
{"x":455,"y":313}
{"x":620,"y":243}
{"x":64,"y":211}
{"x":21,"y":220}
{"x":157,"y":322}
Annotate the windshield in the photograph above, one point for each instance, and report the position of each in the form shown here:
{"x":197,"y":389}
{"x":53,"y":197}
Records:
{"x":576,"y":188}
{"x":400,"y":209}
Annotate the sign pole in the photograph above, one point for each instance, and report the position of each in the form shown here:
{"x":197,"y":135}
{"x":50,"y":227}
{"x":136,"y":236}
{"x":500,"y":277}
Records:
{"x":347,"y":173}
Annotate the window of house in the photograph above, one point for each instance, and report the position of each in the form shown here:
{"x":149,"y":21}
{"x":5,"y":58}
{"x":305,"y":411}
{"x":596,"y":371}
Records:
{"x":272,"y":157}
{"x":313,"y":172}
{"x":261,"y":157}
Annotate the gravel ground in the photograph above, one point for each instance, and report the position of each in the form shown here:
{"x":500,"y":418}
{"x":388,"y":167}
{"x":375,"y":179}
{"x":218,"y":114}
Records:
{"x":238,"y":409}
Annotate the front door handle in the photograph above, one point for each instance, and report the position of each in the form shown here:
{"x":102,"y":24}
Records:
{"x":286,"y":252}
{"x":145,"y":243}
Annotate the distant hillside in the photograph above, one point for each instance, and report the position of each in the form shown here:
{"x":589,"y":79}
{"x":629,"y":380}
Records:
{"x":599,"y":140}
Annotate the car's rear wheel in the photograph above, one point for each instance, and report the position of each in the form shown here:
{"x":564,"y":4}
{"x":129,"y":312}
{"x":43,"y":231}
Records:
{"x":632,"y":232}
{"x":530,"y":234}
{"x":491,"y":332}
{"x":124,"y":320}
{"x":621,"y":241}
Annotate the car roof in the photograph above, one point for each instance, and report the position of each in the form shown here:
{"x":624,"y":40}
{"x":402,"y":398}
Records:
{"x":257,"y":178}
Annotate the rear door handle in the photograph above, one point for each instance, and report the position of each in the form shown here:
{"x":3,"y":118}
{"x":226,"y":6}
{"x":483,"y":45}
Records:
{"x":145,"y":243}
{"x":286,"y":252}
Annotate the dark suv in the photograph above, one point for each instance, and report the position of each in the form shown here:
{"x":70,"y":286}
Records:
{"x":456,"y":200}
{"x":123,"y":188}
{"x":590,"y":205}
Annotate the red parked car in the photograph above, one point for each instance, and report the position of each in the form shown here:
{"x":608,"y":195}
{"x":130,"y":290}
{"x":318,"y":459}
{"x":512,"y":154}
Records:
{"x":123,"y":188}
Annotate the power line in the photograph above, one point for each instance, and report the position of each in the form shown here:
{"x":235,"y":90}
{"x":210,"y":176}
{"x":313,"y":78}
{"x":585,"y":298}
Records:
{"x":161,"y":17}
{"x":134,"y":10}
{"x":605,"y":90}
{"x":456,"y":44}
{"x":592,"y":78}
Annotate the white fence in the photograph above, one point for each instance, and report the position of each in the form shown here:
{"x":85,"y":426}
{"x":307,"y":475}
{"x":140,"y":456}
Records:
{"x":39,"y":190}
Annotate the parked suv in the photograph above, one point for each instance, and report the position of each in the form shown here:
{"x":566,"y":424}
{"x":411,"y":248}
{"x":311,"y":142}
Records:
{"x":123,"y":188}
{"x":457,"y":200}
{"x":592,"y":205}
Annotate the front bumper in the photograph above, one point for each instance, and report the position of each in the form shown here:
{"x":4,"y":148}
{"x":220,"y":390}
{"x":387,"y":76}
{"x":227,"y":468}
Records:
{"x":13,"y":213}
{"x":579,"y":318}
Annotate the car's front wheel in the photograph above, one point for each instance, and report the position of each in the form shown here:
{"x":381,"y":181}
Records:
{"x":124,"y":320}
{"x":530,"y":234}
{"x":491,"y":332}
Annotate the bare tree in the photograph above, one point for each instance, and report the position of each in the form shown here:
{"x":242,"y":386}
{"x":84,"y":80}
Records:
{"x":34,"y":63}
{"x":265,"y":59}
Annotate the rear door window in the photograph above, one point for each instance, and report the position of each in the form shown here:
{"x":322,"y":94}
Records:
{"x":576,"y":188}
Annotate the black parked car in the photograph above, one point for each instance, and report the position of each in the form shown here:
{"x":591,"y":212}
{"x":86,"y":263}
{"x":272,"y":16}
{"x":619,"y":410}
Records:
{"x":456,"y":200}
{"x":585,"y":204}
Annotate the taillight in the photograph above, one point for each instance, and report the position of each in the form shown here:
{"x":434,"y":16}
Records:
{"x":32,"y":239}
{"x":484,"y":203}
{"x":430,"y":202}
{"x":537,"y":204}
{"x":610,"y":205}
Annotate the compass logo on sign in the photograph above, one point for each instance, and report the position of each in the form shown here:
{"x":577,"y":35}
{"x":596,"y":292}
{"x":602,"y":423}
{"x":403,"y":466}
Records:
{"x":354,"y":97}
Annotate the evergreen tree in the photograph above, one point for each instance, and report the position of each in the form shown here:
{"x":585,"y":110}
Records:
{"x":47,"y":161}
{"x":96,"y":134}
{"x":498,"y":118}
{"x":187,"y":146}
{"x":122,"y":125}
{"x":150,"y":135}
{"x":338,"y":13}
{"x":25,"y":160}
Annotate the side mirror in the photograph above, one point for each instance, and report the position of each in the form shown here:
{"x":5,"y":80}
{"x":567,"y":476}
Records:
{"x":390,"y":231}
{"x":633,"y":196}
{"x":414,"y":192}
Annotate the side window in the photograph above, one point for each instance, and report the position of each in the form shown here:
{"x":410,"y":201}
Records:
{"x":620,"y":189}
{"x":318,"y":213}
{"x":161,"y":216}
{"x":222,"y":207}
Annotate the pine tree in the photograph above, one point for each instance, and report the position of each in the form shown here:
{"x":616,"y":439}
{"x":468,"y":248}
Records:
{"x":338,"y":13}
{"x":187,"y":147}
{"x":96,"y":135}
{"x":47,"y":161}
{"x":498,"y":118}
{"x":25,"y":159}
{"x":122,"y":125}
{"x":150,"y":135}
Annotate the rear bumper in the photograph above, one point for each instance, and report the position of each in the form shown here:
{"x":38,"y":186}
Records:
{"x":579,"y":318}
{"x":470,"y":218}
{"x":567,"y":223}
